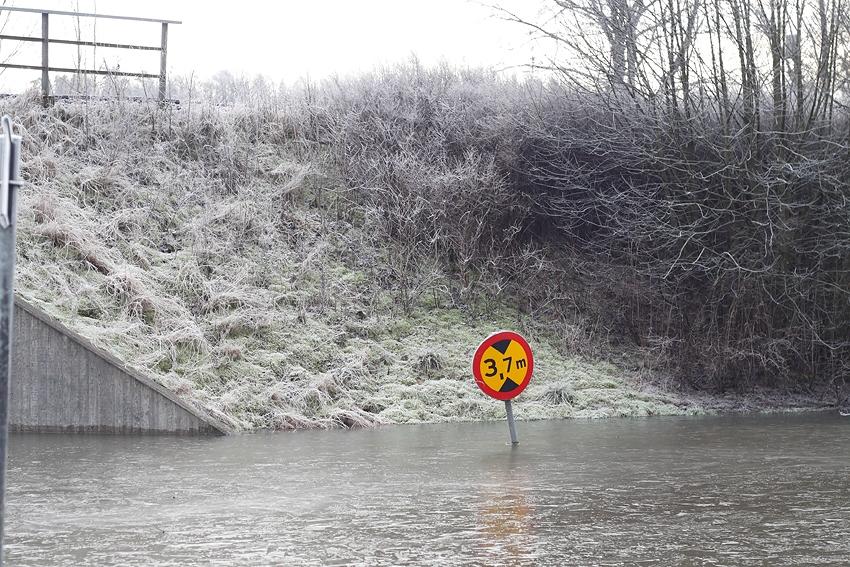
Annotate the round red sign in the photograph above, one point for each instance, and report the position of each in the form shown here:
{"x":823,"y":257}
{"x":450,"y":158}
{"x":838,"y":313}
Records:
{"x":502,"y":365}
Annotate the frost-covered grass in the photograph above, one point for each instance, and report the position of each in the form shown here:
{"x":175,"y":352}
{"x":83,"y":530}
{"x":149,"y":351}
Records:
{"x":216,"y":250}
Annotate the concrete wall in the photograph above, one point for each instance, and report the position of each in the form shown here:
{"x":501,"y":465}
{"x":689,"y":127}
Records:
{"x":61,"y":382}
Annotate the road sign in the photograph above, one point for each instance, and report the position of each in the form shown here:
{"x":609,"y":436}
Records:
{"x":502,"y":365}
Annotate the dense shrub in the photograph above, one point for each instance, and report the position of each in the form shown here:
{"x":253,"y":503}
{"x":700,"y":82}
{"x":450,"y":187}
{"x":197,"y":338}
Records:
{"x":430,"y":151}
{"x":730,"y":253}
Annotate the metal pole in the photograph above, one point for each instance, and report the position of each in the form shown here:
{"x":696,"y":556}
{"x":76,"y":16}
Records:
{"x":45,"y":64}
{"x":511,"y":424}
{"x":10,"y":151}
{"x":163,"y":56}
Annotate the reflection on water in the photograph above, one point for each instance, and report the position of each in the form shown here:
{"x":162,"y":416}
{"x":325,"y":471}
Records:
{"x":684,"y":491}
{"x":505,"y":517}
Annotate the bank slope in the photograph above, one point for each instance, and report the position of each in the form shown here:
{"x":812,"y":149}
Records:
{"x":225,"y":261}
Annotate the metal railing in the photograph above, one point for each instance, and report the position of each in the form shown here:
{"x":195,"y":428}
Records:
{"x":46,"y":40}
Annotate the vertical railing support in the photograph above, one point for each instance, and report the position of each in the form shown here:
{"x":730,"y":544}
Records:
{"x":45,"y":63}
{"x":10,"y":152}
{"x":163,"y":57}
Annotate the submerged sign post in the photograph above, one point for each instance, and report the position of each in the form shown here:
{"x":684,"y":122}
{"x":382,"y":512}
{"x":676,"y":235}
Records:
{"x":10,"y":152}
{"x":502,"y":366}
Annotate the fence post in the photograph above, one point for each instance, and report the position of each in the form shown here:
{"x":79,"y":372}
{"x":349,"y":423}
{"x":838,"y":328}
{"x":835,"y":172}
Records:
{"x":163,"y":54}
{"x":10,"y":151}
{"x":45,"y":64}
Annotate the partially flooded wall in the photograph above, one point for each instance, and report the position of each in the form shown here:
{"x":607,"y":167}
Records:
{"x":62,"y":382}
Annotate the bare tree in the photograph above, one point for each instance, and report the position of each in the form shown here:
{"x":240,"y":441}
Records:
{"x":707,"y":153}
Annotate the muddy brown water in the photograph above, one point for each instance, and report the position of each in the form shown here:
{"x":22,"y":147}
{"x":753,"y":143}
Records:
{"x":765,"y":490}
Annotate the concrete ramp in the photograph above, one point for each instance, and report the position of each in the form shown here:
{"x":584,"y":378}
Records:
{"x":61,"y":382}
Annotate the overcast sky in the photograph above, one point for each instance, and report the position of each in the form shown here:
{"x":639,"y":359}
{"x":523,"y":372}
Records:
{"x":283,"y":40}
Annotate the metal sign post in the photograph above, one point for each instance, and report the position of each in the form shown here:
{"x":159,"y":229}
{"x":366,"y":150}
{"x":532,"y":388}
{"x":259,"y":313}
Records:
{"x":511,"y":424}
{"x":10,"y":154}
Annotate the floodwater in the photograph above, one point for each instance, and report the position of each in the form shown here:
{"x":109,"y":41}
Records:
{"x":769,"y":490}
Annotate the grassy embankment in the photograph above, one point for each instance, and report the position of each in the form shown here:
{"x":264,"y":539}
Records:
{"x":219,"y":251}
